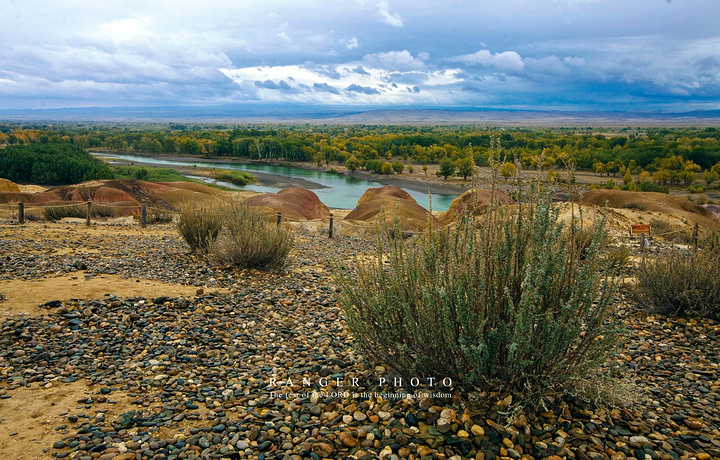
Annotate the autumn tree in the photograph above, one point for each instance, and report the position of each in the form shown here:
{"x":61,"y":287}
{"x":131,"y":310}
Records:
{"x":507,"y":169}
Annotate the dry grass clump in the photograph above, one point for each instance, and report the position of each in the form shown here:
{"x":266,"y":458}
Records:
{"x":234,"y":234}
{"x":199,"y":224}
{"x":680,"y":283}
{"x":79,"y":211}
{"x":249,"y":240}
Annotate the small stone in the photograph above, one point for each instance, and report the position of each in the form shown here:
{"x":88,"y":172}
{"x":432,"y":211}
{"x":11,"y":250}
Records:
{"x":359,"y":416}
{"x":242,"y":445}
{"x":477,"y":430}
{"x":463,"y":434}
{"x":347,"y":419}
{"x":693,"y":424}
{"x":347,"y":439}
{"x":424,"y":451}
{"x":443,"y":426}
{"x":323,"y":449}
{"x":386,"y":452}
{"x":449,"y":414}
{"x":384,"y":415}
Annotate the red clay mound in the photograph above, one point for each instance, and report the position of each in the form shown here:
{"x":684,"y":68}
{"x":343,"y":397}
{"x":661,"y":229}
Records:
{"x":476,"y":201}
{"x":122,"y":193}
{"x":8,"y":186}
{"x":713,"y":208}
{"x":294,"y":203}
{"x":393,"y":200}
{"x":653,"y":202}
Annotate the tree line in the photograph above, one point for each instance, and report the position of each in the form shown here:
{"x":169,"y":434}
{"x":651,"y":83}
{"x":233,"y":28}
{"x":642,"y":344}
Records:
{"x":680,"y":155}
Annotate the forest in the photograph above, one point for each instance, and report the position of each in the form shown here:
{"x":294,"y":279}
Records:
{"x":658,"y":156}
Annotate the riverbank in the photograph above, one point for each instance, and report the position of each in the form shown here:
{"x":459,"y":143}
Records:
{"x":417,"y":181}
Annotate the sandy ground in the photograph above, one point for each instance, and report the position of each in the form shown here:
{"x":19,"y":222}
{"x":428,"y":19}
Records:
{"x":29,"y":419}
{"x":25,"y":297}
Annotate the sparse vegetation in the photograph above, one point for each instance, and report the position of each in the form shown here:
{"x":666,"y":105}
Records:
{"x":149,"y":174}
{"x":503,"y":303}
{"x":680,"y":283}
{"x":79,"y":211}
{"x":199,"y":224}
{"x":234,"y":234}
{"x":249,"y":240}
{"x":241,"y":178}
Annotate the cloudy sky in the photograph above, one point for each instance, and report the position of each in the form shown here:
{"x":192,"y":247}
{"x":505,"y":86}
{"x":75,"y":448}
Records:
{"x":529,"y":54}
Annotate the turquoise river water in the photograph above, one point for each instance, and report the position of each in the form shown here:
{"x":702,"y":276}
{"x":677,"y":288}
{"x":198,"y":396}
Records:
{"x":336,"y":191}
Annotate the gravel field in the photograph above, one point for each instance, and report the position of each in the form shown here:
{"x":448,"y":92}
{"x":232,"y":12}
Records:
{"x":261,"y":366}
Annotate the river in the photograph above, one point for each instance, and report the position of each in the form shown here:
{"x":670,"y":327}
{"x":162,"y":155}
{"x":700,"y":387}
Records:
{"x":335,"y":190}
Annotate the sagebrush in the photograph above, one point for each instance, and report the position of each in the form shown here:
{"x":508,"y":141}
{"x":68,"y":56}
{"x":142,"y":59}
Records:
{"x":680,"y":283}
{"x":507,"y":303}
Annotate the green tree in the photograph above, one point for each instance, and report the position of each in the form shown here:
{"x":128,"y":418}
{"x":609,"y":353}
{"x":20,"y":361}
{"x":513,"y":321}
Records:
{"x":447,"y":168}
{"x":398,"y":167}
{"x":386,"y":168}
{"x":465,"y":167}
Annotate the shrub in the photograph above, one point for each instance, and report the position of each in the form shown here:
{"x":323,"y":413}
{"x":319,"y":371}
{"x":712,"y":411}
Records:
{"x":199,"y":224}
{"x":241,"y":178}
{"x":249,"y":240}
{"x":54,"y":213}
{"x":503,"y":303}
{"x":676,"y":283}
{"x":79,"y":211}
{"x":618,"y":257}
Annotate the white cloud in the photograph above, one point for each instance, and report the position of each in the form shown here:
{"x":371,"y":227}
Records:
{"x":394,"y":60}
{"x":347,"y":83}
{"x":508,"y":60}
{"x":394,"y":20}
{"x":284,"y":37}
{"x":352,"y":43}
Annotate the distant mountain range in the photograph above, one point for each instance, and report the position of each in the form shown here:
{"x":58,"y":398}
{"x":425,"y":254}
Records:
{"x":363,"y":115}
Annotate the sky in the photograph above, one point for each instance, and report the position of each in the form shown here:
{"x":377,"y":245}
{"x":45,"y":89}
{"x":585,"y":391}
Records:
{"x":620,"y":55}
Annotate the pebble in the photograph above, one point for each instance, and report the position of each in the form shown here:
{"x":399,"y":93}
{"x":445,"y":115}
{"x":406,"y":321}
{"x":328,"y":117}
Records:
{"x":201,"y":364}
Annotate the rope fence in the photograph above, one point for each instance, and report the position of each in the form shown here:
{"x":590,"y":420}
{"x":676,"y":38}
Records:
{"x":143,"y":210}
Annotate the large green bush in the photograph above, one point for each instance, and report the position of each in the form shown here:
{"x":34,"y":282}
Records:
{"x":678,"y":283}
{"x":504,"y":303}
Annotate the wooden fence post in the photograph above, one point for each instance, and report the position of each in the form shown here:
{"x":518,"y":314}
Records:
{"x":695,"y":236}
{"x":21,"y":212}
{"x":279,"y":218}
{"x":89,"y":211}
{"x":330,"y":231}
{"x":143,"y":215}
